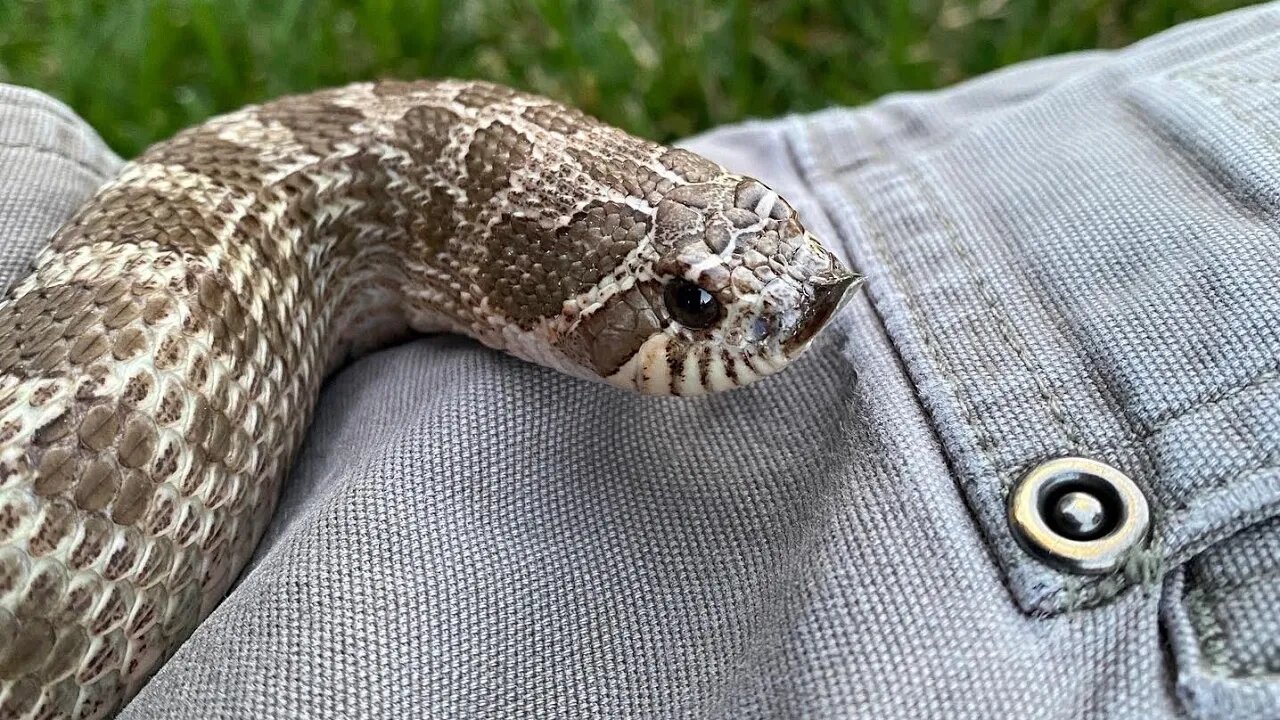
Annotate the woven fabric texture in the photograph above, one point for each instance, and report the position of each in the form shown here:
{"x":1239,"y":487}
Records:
{"x":1076,"y":256}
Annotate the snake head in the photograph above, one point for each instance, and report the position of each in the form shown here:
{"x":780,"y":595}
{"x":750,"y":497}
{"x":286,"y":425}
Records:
{"x":734,"y":290}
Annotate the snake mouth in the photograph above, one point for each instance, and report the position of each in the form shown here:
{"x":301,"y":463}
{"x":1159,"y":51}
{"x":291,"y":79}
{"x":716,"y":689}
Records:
{"x":830,"y":293}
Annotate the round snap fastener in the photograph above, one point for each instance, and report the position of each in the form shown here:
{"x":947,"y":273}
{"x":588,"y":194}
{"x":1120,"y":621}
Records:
{"x":1079,"y":514}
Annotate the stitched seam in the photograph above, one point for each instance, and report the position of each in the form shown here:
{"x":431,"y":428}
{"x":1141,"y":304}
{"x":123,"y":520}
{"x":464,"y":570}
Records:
{"x":985,"y":443}
{"x":1238,"y":79}
{"x":98,"y":173}
{"x":1268,"y":461}
{"x":1215,"y":89}
{"x":1130,"y":424}
{"x":1080,"y":591}
{"x":1231,"y":56}
{"x":1247,"y":200}
{"x":1265,"y":374}
{"x":1156,"y":425}
{"x":1086,"y":590}
{"x":798,"y":170}
{"x":1204,"y":604}
{"x":1205,"y":82}
{"x":1161,"y":421}
{"x":1004,"y":324}
{"x":1204,"y":617}
{"x":981,"y":438}
{"x":1263,"y":379}
{"x":1228,"y":58}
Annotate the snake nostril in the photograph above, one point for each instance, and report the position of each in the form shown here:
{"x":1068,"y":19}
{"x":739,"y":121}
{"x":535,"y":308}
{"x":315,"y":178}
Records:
{"x":761,"y":328}
{"x":827,"y":296}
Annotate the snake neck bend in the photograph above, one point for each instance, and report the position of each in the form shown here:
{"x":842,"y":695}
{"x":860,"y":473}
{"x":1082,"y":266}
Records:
{"x":158,"y":370}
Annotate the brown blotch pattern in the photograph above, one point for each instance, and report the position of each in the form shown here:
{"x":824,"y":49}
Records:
{"x":315,"y":122}
{"x":104,"y":443}
{"x":168,"y":216}
{"x":533,"y":279}
{"x":559,"y":119}
{"x":483,"y":95}
{"x":619,"y":329}
{"x":622,"y":174}
{"x":692,"y":167}
{"x":494,"y":151}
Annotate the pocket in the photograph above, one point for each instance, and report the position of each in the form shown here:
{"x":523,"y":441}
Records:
{"x":1221,"y":610}
{"x":1093,"y":272}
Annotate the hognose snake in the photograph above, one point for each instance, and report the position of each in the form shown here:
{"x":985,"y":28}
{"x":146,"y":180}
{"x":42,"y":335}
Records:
{"x":158,"y":367}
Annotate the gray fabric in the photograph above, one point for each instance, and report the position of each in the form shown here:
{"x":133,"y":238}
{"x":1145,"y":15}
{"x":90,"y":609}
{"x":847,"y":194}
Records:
{"x":1084,"y":267}
{"x":1073,"y":256}
{"x":1223,"y":613}
{"x":49,"y":162}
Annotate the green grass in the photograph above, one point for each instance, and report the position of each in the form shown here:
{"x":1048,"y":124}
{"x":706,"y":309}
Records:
{"x":139,"y":70}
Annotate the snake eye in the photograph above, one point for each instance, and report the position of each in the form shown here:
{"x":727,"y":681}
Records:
{"x":690,"y":305}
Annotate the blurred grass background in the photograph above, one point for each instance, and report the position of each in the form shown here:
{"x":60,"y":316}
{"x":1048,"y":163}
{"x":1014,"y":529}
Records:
{"x":140,"y":69}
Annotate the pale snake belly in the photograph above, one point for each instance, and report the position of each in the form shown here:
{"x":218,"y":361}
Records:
{"x":159,"y":366}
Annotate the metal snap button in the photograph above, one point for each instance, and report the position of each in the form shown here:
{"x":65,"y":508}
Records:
{"x":1079,"y":514}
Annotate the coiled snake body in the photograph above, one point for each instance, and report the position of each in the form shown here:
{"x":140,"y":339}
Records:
{"x":158,"y":368}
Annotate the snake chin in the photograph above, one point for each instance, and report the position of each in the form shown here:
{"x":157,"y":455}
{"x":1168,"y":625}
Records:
{"x":677,"y":361}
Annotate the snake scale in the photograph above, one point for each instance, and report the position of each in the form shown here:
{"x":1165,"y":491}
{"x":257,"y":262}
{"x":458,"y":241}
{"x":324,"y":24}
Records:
{"x":159,"y":366}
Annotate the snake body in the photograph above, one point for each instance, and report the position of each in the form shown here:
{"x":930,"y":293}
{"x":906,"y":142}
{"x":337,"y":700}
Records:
{"x":159,"y":366}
